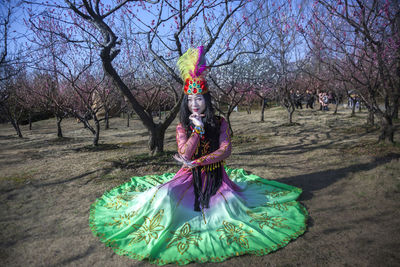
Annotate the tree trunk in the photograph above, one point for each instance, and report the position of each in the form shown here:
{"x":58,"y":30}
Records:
{"x":96,"y":132}
{"x":156,"y":140}
{"x":30,"y":120}
{"x":262,"y":109}
{"x":353,"y":108}
{"x":106,"y":119}
{"x":370,"y":118}
{"x":228,"y":119}
{"x":289,"y":105}
{"x":336,"y":105}
{"x":387,"y":132}
{"x":127,"y":119}
{"x":157,"y":131}
{"x":291,"y":111}
{"x":396,"y":109}
{"x":15,"y":124}
{"x":59,"y":130}
{"x":249,"y":109}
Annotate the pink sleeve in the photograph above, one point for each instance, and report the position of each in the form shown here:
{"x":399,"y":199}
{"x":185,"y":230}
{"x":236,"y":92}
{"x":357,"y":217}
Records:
{"x":222,"y":152}
{"x":186,"y":146}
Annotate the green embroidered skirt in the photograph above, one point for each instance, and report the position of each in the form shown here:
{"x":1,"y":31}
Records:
{"x":152,"y":217}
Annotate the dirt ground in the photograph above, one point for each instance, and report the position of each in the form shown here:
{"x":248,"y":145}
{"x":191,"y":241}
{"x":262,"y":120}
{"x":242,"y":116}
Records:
{"x":351,"y":187}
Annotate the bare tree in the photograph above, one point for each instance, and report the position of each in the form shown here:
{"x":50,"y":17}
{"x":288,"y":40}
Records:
{"x":229,"y":87}
{"x":10,"y":66}
{"x":165,"y":46}
{"x":14,"y":102}
{"x":282,"y":46}
{"x":261,"y":74}
{"x":364,"y":37}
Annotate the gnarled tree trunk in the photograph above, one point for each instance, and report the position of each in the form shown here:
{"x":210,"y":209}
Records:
{"x":396,"y":104}
{"x":387,"y":131}
{"x":290,"y":108}
{"x":107,"y":119}
{"x":156,"y":131}
{"x":290,"y":111}
{"x":15,"y":124}
{"x":156,"y":140}
{"x":371,"y":118}
{"x":336,"y":105}
{"x":59,"y":130}
{"x":96,"y":134}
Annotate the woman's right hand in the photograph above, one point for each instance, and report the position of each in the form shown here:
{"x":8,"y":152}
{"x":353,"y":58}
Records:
{"x":196,"y":119}
{"x":186,"y":163}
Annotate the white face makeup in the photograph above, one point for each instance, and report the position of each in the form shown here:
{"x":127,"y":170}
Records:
{"x":196,"y":103}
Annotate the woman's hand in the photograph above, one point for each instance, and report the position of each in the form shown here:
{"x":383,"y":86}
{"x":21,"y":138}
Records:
{"x":186,"y":163}
{"x":196,"y":119}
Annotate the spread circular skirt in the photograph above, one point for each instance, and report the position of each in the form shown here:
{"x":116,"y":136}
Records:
{"x":152,"y":217}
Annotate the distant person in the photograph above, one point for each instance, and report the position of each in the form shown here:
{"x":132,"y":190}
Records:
{"x":266,"y":102}
{"x":320,"y":100}
{"x":349,"y":102}
{"x":325,"y":101}
{"x":353,"y":100}
{"x":310,"y":99}
{"x":298,"y":98}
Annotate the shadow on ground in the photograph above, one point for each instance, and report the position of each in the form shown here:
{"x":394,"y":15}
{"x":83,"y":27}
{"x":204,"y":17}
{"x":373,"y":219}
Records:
{"x":315,"y":181}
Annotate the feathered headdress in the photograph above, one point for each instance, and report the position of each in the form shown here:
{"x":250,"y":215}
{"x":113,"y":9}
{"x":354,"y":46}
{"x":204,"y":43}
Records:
{"x":192,"y":66}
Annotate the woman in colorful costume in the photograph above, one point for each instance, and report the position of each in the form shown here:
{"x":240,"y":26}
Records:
{"x":206,"y":212}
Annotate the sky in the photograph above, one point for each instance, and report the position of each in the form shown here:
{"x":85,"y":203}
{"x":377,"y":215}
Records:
{"x":20,"y":34}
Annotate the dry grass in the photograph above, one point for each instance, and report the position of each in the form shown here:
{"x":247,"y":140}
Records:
{"x":351,"y":187}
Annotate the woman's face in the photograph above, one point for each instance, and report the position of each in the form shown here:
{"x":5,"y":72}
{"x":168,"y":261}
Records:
{"x":196,"y":103}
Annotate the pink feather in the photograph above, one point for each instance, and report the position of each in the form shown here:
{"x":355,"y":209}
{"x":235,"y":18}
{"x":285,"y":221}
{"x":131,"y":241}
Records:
{"x":198,"y":61}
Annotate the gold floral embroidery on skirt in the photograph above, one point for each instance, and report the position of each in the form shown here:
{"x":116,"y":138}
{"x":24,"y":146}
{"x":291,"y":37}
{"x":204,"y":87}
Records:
{"x":116,"y":202}
{"x":183,"y":238}
{"x":264,"y":220}
{"x":255,"y":182}
{"x":121,"y":220}
{"x":233,"y":233}
{"x":148,"y":230}
{"x":276,"y":193}
{"x":280,"y":206}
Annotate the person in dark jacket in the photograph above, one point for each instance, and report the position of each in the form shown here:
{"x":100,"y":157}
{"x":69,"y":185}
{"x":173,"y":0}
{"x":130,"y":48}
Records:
{"x":298,"y":97}
{"x":310,"y":99}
